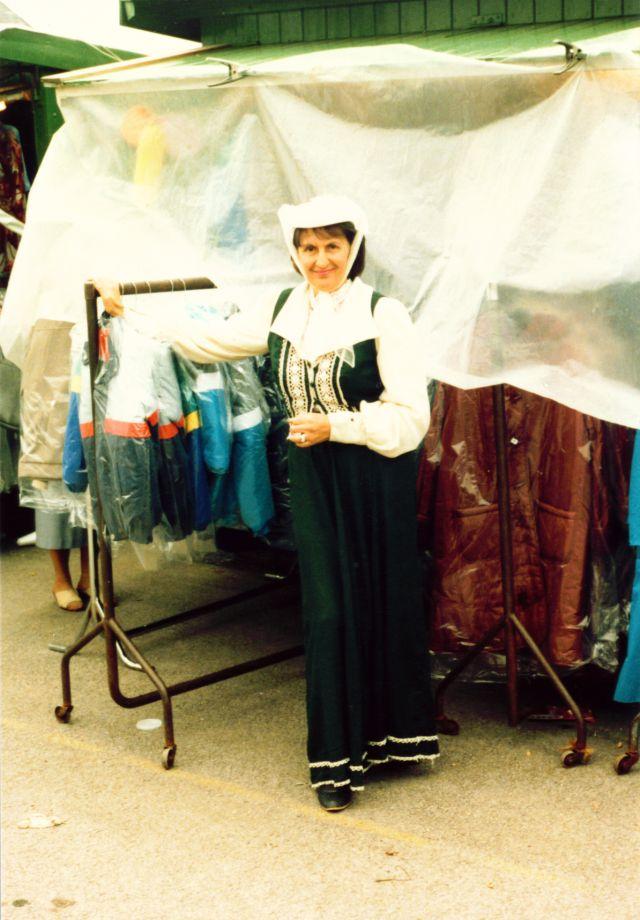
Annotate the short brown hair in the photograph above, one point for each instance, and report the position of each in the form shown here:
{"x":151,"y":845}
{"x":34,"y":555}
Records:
{"x":345,"y":229}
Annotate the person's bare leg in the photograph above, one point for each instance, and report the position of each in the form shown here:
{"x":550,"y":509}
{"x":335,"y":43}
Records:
{"x":84,"y":582}
{"x":62,"y":580}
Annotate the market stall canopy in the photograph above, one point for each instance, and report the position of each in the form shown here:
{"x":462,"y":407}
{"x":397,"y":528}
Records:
{"x":504,"y":199}
{"x":95,"y":24}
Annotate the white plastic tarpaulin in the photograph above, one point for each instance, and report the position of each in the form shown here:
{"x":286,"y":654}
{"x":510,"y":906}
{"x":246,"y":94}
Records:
{"x":504,"y":201}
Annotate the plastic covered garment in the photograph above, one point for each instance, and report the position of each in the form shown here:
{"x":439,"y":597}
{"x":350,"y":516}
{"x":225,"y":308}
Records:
{"x":193,"y":427}
{"x":9,"y":424}
{"x":135,"y":451}
{"x":44,"y":403}
{"x":246,"y":487}
{"x":235,"y":421}
{"x":44,"y":412}
{"x":9,"y":449}
{"x":160,"y":420}
{"x":628,"y":687}
{"x":74,"y":464}
{"x":503,"y":200}
{"x":281,"y":529}
{"x":53,"y":495}
{"x":568,"y":478}
{"x":14,"y":185}
{"x":212,"y":396}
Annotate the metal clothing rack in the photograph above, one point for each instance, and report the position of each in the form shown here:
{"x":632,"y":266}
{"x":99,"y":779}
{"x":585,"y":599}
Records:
{"x":627,"y":761}
{"x":119,"y":640}
{"x":577,"y":751}
{"x":94,"y":611}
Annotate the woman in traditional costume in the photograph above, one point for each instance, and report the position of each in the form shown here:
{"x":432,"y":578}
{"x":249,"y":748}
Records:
{"x":347,"y":367}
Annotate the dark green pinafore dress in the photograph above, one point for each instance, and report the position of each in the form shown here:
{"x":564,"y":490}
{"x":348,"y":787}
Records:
{"x":354,"y":517}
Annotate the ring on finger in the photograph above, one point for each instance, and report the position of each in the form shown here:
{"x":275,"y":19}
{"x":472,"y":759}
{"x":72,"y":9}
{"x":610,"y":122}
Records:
{"x":302,"y":438}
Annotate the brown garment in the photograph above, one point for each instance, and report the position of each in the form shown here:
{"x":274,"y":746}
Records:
{"x":45,"y":400}
{"x":569,"y":481}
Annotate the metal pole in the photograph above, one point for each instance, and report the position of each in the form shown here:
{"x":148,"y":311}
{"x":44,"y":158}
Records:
{"x":104,"y":554}
{"x":506,"y":549}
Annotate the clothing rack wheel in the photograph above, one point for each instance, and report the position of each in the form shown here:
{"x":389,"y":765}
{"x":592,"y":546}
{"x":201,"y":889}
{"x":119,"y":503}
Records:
{"x":576,"y":752}
{"x":119,"y":644}
{"x":169,"y":756}
{"x":63,"y":713}
{"x":573,"y":756}
{"x":626,"y":762}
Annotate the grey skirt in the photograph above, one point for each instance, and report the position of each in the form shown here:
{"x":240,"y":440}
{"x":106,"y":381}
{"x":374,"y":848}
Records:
{"x":53,"y":531}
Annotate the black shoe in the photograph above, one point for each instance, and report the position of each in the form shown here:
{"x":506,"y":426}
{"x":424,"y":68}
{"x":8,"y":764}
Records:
{"x":334,"y":798}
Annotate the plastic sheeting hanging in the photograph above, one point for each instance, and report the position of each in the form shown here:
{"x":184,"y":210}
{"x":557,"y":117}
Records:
{"x":504,"y":201}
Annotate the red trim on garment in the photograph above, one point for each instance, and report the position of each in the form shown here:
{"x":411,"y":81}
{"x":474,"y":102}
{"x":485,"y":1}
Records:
{"x":126,"y":429}
{"x":86,"y":429}
{"x":170,"y":430}
{"x":103,"y":343}
{"x":153,"y":418}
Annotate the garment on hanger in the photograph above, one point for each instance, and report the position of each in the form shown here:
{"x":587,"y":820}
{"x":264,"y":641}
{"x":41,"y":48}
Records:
{"x":74,"y":465}
{"x":14,"y":184}
{"x":125,"y":473}
{"x":628,"y":686}
{"x":568,"y":474}
{"x":281,"y":529}
{"x":155,"y":444}
{"x":249,"y":468}
{"x":236,"y":419}
{"x":177,"y":492}
{"x":212,"y":398}
{"x":10,"y":381}
{"x":194,"y":445}
{"x":9,"y":450}
{"x":45,"y":400}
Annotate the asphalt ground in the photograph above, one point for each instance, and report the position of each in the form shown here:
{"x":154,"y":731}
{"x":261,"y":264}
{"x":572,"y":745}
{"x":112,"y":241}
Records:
{"x":498,"y":828}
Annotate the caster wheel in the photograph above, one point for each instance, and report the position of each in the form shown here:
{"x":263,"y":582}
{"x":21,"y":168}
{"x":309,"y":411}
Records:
{"x":625,"y":763}
{"x":63,"y":713}
{"x":447,"y":726}
{"x":572,"y":758}
{"x":168,"y":757}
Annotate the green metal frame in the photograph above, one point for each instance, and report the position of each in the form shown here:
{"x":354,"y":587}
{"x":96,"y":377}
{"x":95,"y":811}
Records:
{"x":38,"y":55}
{"x":274,"y":22}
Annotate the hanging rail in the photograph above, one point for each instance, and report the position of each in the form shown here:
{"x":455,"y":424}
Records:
{"x":116,"y":636}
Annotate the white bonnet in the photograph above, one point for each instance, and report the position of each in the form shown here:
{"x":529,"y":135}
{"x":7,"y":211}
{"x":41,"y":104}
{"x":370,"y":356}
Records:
{"x":322,"y":211}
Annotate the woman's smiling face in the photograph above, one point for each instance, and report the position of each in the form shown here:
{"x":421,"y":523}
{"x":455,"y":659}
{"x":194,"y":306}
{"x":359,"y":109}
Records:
{"x":323,"y":258}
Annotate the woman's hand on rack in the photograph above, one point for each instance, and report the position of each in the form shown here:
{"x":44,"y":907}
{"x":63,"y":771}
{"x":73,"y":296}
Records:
{"x":309,"y":429}
{"x":109,"y":292}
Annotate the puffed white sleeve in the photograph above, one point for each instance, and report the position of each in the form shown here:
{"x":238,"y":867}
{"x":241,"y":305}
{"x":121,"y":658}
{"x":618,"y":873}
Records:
{"x":242,"y":335}
{"x":398,"y":421}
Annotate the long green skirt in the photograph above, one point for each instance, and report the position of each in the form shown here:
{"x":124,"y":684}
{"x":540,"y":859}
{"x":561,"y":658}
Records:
{"x":367,"y":667}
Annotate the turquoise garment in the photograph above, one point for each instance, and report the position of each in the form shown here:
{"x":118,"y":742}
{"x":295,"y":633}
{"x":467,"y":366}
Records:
{"x":628,"y":688}
{"x":634,"y":495}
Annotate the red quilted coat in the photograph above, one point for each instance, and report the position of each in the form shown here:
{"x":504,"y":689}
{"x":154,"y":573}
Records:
{"x":569,"y":485}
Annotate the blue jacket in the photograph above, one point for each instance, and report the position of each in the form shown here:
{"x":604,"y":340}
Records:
{"x":628,"y":687}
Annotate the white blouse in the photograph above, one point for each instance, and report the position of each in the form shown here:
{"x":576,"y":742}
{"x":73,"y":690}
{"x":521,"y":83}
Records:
{"x":393,"y":425}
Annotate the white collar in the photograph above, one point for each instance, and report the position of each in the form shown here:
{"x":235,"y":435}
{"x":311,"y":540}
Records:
{"x":332,"y":299}
{"x":337,"y":321}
